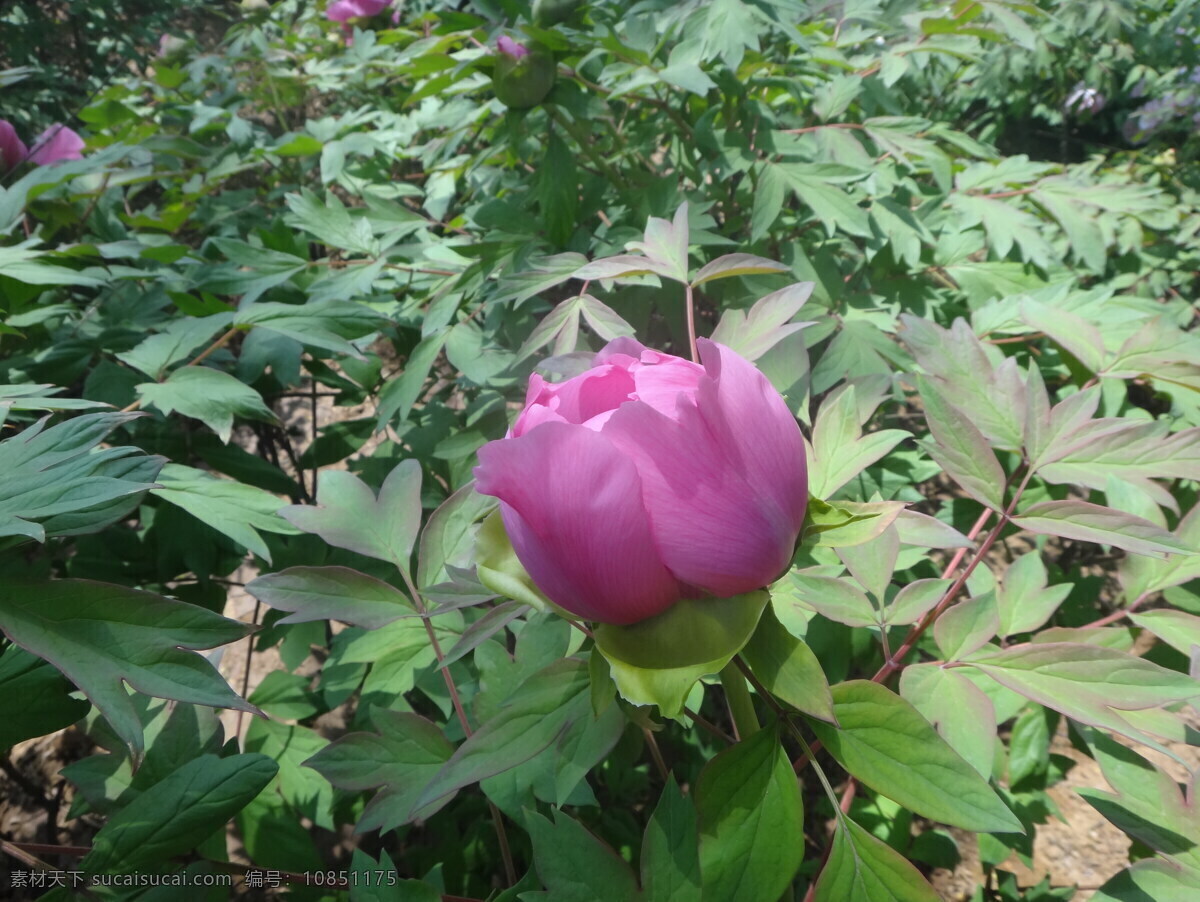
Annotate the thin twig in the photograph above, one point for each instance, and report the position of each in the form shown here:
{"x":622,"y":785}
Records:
{"x":1120,"y":612}
{"x":237,"y":731}
{"x":510,"y":871}
{"x":215,"y":346}
{"x":656,"y":754}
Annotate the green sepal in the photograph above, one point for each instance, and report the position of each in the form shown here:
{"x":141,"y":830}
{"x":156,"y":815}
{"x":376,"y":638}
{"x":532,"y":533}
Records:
{"x":498,"y":568}
{"x":659,"y":660}
{"x":839,"y":524}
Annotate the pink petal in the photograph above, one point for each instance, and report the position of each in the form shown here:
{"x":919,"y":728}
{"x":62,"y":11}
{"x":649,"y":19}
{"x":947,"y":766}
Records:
{"x":586,"y":397}
{"x":712,"y":529}
{"x":509,"y":47}
{"x":572,"y":505}
{"x":661,"y":383}
{"x":55,"y":144}
{"x":12,"y":148}
{"x":624,"y":347}
{"x":751,"y":421}
{"x":345,"y":10}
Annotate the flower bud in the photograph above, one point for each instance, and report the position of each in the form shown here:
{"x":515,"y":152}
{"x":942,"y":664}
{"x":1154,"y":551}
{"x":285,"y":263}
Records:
{"x":650,"y":479}
{"x":523,"y":75}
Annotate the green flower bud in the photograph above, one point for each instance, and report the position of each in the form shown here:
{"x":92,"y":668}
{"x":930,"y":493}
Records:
{"x":523,"y":75}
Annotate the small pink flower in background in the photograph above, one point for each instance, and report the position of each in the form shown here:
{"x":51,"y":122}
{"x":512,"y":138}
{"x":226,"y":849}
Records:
{"x":650,"y":479}
{"x":55,"y":144}
{"x":169,"y":44}
{"x":509,"y":47}
{"x":345,"y":10}
{"x":12,"y":148}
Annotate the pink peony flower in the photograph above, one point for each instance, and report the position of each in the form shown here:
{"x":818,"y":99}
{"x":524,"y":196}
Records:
{"x":345,"y":10}
{"x":12,"y":148}
{"x":509,"y":47}
{"x":56,"y":143}
{"x":650,"y":479}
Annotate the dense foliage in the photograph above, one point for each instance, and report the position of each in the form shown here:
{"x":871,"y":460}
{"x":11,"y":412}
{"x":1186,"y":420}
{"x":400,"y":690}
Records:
{"x":305,"y":269}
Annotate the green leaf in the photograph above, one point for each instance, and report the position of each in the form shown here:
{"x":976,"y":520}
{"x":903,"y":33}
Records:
{"x":1092,"y":523}
{"x":657,"y":661}
{"x":1148,"y":804}
{"x":666,"y":243}
{"x":331,"y":593}
{"x":670,"y":849}
{"x":769,"y":191}
{"x":285,"y":695}
{"x":178,"y":813}
{"x":755,"y":331}
{"x":788,"y":669}
{"x":250,"y":272}
{"x":405,"y":755}
{"x":574,"y":865}
{"x":331,"y":223}
{"x":536,"y":715}
{"x":1072,"y":332}
{"x":327,"y":324}
{"x":1072,"y":678}
{"x":966,"y":626}
{"x":1023,"y":600}
{"x":305,"y":790}
{"x":847,"y":522}
{"x":399,"y":395}
{"x":866,"y":869}
{"x":829,"y":203}
{"x":991,"y":396}
{"x":958,"y":710}
{"x":232,"y":508}
{"x":837,"y":599}
{"x":54,"y":476}
{"x":891,"y":748}
{"x":840,"y":450}
{"x":915,"y":600}
{"x":602,"y":319}
{"x":174,"y":343}
{"x":1150,"y":881}
{"x":348,"y":515}
{"x":558,"y":190}
{"x":32,"y":396}
{"x":1176,"y":628}
{"x":103,"y":636}
{"x":960,"y":448}
{"x":34,"y":698}
{"x":211,"y":396}
{"x":448,"y":537}
{"x":751,"y":814}
{"x":731,"y":265}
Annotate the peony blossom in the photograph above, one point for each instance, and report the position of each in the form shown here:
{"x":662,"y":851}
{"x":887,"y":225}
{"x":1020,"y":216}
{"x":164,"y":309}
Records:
{"x":56,"y":143}
{"x":649,"y":479}
{"x":12,"y":148}
{"x":509,"y":47}
{"x":345,"y":10}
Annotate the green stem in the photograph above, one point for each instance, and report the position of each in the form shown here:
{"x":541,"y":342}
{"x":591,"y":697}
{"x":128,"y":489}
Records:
{"x":691,"y":322}
{"x":741,"y":706}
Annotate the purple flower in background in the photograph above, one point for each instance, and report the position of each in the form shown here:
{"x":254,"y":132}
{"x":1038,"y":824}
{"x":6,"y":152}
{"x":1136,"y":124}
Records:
{"x":509,"y":47}
{"x":12,"y":148}
{"x":649,"y":479}
{"x":1083,"y":99}
{"x":55,"y":144}
{"x":345,"y":10}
